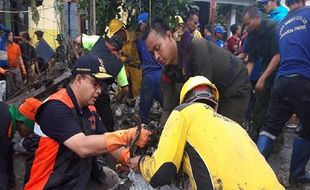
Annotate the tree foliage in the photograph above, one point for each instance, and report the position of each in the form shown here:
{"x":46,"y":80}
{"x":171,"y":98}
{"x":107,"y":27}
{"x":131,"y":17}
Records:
{"x":109,"y":9}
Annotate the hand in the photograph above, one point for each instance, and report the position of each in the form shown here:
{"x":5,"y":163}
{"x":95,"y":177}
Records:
{"x":24,"y":74}
{"x":124,"y":157}
{"x":143,"y":138}
{"x":114,"y":140}
{"x":260,"y":85}
{"x":134,"y":163}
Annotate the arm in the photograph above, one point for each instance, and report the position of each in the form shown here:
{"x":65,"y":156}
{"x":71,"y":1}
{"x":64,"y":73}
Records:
{"x":21,"y":63}
{"x":250,"y":67}
{"x":122,"y":81}
{"x":58,"y":122}
{"x":87,"y":42}
{"x":163,"y":165}
{"x":2,"y":71}
{"x":92,"y":145}
{"x":170,"y":97}
{"x":269,"y":70}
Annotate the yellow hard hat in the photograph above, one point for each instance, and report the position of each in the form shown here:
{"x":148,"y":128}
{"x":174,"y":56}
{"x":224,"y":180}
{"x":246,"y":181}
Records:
{"x":211,"y":92}
{"x":179,"y":19}
{"x":114,"y":26}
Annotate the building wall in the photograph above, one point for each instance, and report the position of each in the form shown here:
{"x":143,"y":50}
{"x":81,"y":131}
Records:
{"x":49,"y":23}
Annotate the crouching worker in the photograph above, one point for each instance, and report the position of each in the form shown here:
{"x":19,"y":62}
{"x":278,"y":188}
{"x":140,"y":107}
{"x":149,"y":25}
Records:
{"x":13,"y":118}
{"x":68,"y":132}
{"x":212,"y":150}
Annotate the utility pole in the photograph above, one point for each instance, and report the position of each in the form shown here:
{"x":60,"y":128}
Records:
{"x":92,"y":17}
{"x":212,"y":15}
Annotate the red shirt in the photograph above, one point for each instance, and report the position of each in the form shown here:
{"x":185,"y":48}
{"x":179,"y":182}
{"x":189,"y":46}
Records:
{"x":231,"y":43}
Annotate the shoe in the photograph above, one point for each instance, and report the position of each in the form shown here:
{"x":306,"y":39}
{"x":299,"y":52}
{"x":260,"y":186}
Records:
{"x":299,"y":160}
{"x":265,"y":145}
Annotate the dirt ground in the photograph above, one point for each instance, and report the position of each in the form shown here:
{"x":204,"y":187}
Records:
{"x":280,"y":162}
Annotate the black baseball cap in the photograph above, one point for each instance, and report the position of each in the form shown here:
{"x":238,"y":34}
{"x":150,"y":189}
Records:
{"x":92,"y":65}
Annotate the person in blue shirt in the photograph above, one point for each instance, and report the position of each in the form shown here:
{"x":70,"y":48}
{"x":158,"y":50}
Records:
{"x":276,"y":11}
{"x":291,"y":90}
{"x":219,"y":33}
{"x":4,"y":33}
{"x":151,"y":73}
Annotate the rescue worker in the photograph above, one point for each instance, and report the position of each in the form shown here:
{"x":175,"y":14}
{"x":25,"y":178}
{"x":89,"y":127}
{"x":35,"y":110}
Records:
{"x":212,"y":150}
{"x":151,"y":72}
{"x":291,"y":91}
{"x":275,"y":10}
{"x":130,"y":57}
{"x":68,"y":132}
{"x":198,"y":57}
{"x":192,"y":22}
{"x":261,"y":43}
{"x":106,"y":48}
{"x":219,"y":33}
{"x":60,"y":52}
{"x":28,"y":55}
{"x":208,"y":32}
{"x":12,"y":119}
{"x":58,"y":62}
{"x":43,"y":65}
{"x":178,"y":29}
{"x":16,"y":68}
{"x":233,"y":43}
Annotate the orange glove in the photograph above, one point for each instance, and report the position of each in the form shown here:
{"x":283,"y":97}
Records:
{"x":117,"y":139}
{"x":2,"y":71}
{"x":124,"y":157}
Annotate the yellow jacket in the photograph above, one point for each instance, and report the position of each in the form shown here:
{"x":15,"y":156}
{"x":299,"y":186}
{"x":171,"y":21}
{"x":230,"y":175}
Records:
{"x":214,"y":152}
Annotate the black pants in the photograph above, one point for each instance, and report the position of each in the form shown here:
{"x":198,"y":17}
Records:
{"x":289,"y":95}
{"x":7,"y":177}
{"x":104,"y":110}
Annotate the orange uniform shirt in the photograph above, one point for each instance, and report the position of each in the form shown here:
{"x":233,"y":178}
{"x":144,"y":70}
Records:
{"x":14,"y":55}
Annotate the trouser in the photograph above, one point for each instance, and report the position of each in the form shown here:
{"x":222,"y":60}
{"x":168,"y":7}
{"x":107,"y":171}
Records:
{"x":104,"y":110}
{"x":260,"y":106}
{"x":289,"y":95}
{"x":7,"y":177}
{"x":14,"y":81}
{"x":135,"y":75}
{"x":150,"y":91}
{"x":249,"y":111}
{"x":2,"y":90}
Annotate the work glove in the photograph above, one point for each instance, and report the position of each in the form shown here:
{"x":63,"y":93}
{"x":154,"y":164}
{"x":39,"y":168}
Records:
{"x":117,"y":139}
{"x":124,"y":157}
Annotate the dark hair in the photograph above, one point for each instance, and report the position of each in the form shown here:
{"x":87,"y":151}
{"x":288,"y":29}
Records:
{"x":234,"y":28}
{"x":26,"y":36}
{"x":291,"y":2}
{"x":252,"y":12}
{"x":159,"y":26}
{"x":208,"y":26}
{"x":39,"y":33}
{"x":190,"y":14}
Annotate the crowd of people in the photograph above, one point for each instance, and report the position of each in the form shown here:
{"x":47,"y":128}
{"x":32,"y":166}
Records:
{"x":21,"y":62}
{"x":207,"y":86}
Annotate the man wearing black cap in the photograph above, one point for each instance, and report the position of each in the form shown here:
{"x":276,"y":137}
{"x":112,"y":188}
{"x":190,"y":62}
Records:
{"x":108,"y":50}
{"x":68,"y":132}
{"x":60,"y":53}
